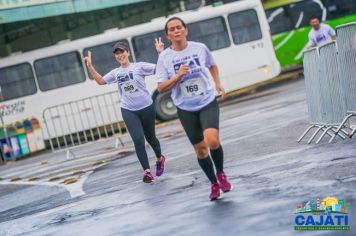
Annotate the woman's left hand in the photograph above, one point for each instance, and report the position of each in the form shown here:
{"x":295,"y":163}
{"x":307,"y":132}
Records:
{"x":221,"y":91}
{"x":159,"y":45}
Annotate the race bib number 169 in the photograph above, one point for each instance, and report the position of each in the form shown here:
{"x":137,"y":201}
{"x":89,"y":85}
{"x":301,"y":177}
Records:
{"x":192,"y":87}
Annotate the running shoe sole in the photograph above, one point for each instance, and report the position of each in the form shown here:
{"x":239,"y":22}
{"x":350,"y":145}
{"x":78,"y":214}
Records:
{"x":232,"y":187}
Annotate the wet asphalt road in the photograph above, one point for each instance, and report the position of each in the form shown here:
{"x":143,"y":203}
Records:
{"x":270,"y":171}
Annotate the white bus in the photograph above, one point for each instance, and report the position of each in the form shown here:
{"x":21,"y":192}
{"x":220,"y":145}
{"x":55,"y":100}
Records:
{"x":237,"y":33}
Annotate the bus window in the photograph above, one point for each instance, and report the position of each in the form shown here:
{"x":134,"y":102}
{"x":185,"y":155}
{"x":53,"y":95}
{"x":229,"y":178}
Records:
{"x":144,"y":46}
{"x":340,"y":8}
{"x":279,"y":20}
{"x":297,"y":15}
{"x":103,"y":57}
{"x":301,"y":12}
{"x":59,"y":71}
{"x":16,"y":81}
{"x":212,"y":32}
{"x":244,"y":26}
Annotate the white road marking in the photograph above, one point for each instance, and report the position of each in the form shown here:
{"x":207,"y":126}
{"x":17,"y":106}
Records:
{"x":74,"y":189}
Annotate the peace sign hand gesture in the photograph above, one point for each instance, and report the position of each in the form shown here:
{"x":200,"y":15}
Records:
{"x":159,"y":45}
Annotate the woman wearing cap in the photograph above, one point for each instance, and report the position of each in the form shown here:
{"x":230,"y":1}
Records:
{"x":136,"y":104}
{"x":184,"y":68}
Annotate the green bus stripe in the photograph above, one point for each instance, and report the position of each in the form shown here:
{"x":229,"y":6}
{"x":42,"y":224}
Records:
{"x":287,"y":53}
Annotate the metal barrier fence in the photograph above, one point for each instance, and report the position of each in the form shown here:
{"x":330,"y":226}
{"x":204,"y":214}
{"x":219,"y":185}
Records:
{"x":331,"y":86}
{"x":346,"y":41}
{"x":333,"y":106}
{"x":319,"y":81}
{"x":83,"y":121}
{"x":311,"y":70}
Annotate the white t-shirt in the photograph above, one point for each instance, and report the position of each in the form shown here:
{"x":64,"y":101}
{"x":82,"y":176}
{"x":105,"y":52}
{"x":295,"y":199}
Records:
{"x":195,"y":90}
{"x":132,"y":85}
{"x":322,"y":36}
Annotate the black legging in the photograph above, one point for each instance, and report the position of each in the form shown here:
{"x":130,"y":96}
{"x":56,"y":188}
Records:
{"x":140,"y":125}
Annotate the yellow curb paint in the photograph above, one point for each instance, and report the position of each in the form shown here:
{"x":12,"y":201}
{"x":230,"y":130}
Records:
{"x":169,"y":135}
{"x":161,"y":125}
{"x":98,"y":163}
{"x":33,"y":178}
{"x":252,"y":89}
{"x":54,"y":178}
{"x":16,"y":178}
{"x":70,"y":181}
{"x":125,"y":151}
{"x":79,"y":172}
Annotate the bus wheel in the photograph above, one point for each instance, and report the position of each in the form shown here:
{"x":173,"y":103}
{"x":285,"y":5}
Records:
{"x":164,"y":106}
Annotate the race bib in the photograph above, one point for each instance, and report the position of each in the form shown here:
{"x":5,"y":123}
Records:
{"x":130,"y":88}
{"x":192,"y":87}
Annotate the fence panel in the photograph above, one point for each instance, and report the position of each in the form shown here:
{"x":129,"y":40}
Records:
{"x":82,"y":121}
{"x":346,"y":43}
{"x":333,"y":105}
{"x":312,"y":85}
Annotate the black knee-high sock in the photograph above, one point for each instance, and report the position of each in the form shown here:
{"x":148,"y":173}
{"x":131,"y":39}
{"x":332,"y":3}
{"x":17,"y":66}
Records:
{"x":208,"y":169}
{"x":218,"y":158}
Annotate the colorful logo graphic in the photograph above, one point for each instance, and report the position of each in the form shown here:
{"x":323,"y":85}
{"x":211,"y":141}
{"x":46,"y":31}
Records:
{"x":327,"y":214}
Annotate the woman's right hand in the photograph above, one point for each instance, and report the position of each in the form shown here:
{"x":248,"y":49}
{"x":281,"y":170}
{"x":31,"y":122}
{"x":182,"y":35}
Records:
{"x":87,"y":59}
{"x":169,"y":84}
{"x":183,"y":70}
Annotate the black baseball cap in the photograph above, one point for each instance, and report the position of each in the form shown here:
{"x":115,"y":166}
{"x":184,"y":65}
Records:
{"x":120,"y":46}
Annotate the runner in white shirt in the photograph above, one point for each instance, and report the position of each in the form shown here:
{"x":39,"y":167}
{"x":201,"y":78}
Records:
{"x":136,"y":104}
{"x":321,"y":34}
{"x":184,"y":68}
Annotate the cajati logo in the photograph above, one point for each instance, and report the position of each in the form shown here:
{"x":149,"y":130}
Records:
{"x":327,"y":214}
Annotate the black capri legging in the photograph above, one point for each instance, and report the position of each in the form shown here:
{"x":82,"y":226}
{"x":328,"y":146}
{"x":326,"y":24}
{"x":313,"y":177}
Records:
{"x":195,"y":122}
{"x":140,"y":125}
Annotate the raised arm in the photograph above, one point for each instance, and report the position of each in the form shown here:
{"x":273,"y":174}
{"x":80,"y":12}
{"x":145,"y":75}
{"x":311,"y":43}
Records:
{"x":98,"y":78}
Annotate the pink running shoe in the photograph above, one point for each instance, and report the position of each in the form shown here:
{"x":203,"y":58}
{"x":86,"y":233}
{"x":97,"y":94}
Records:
{"x":148,"y":177}
{"x":225,"y":185}
{"x":215,"y":192}
{"x":160,"y":166}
